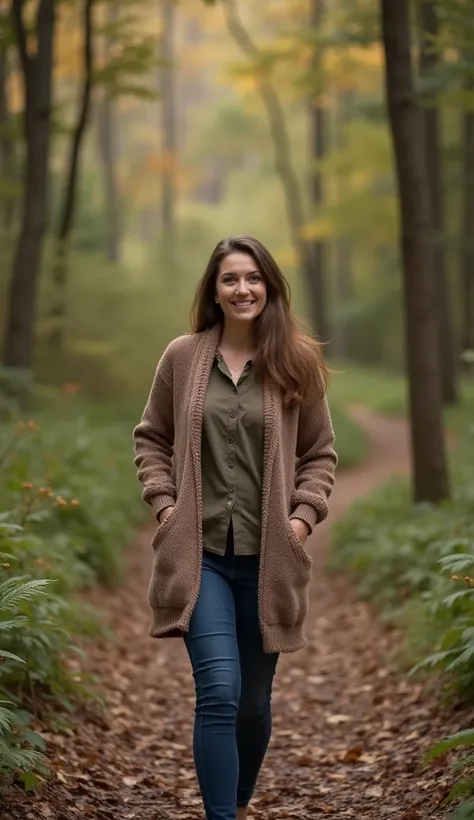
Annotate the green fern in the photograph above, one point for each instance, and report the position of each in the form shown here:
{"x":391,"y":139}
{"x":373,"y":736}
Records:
{"x":14,"y":590}
{"x":13,"y":758}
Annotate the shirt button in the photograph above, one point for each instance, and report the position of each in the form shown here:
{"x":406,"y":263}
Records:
{"x":231,"y":440}
{"x":235,"y":390}
{"x":231,"y":466}
{"x":232,"y":415}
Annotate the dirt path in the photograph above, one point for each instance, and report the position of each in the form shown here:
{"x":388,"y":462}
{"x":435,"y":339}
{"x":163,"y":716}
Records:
{"x":348,"y":735}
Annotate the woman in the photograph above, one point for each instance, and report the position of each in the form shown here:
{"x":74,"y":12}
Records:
{"x":235,"y":455}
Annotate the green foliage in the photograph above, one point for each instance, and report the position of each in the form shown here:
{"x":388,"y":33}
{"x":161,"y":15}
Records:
{"x":351,"y":442}
{"x":403,"y":555}
{"x":16,"y":597}
{"x":416,"y":564}
{"x":464,"y":788}
{"x":70,"y":501}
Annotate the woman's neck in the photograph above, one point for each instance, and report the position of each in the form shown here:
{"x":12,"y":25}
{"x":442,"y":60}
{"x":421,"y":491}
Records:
{"x":237,"y":337}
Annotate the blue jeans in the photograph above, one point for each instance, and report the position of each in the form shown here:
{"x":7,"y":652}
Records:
{"x":233,"y":678}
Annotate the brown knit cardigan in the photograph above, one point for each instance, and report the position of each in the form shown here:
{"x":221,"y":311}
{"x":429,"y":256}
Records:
{"x":298,"y":476}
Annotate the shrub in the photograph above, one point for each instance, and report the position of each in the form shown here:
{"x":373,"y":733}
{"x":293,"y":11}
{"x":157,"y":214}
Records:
{"x":70,"y":502}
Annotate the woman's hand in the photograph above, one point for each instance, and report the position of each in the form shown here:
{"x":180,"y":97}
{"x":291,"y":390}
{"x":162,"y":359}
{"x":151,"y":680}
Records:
{"x":164,"y":514}
{"x":300,"y":529}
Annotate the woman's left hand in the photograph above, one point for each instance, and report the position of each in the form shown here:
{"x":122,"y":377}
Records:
{"x":300,"y":529}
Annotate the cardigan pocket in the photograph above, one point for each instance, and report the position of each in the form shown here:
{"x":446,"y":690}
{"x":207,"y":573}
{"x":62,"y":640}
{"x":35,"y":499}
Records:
{"x":287,"y":581}
{"x":298,"y":547}
{"x":163,"y":528}
{"x":174,"y":563}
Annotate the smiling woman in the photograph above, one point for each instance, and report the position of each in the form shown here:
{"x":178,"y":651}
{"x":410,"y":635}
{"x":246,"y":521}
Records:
{"x":235,"y":455}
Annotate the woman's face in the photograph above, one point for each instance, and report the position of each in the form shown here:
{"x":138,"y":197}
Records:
{"x":240,"y":288}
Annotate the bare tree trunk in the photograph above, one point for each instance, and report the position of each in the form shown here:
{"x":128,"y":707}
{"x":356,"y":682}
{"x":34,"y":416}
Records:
{"x":422,"y":351}
{"x":342,"y":248}
{"x":37,"y":77}
{"x":7,"y":145}
{"x":106,"y":132}
{"x":283,"y":160}
{"x":168,"y":124}
{"x":317,"y":121}
{"x":107,"y":144}
{"x":467,"y":260}
{"x":428,"y":61}
{"x":67,"y":211}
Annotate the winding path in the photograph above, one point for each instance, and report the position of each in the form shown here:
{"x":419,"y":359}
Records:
{"x":348,"y":733}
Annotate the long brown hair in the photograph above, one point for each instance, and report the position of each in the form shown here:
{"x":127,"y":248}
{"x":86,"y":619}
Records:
{"x":286,"y":355}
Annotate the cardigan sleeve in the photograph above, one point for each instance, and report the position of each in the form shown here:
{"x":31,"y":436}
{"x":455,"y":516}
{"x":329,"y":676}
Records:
{"x":316,"y":463}
{"x":153,"y":440}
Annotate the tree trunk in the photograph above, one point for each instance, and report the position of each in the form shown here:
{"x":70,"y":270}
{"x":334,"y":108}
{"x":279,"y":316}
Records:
{"x":317,"y":121}
{"x":106,"y":132}
{"x":282,"y":149}
{"x":421,"y":327}
{"x":67,"y":211}
{"x":168,"y":124}
{"x":7,"y":145}
{"x":467,"y":261}
{"x":342,"y":247}
{"x":107,"y":145}
{"x":428,"y":61}
{"x":37,"y":77}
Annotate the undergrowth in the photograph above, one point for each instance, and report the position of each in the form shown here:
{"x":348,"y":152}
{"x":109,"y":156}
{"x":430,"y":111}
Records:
{"x":69,"y":502}
{"x":415,"y":563}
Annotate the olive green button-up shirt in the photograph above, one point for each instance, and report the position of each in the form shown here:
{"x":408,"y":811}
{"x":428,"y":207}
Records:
{"x":232,"y":460}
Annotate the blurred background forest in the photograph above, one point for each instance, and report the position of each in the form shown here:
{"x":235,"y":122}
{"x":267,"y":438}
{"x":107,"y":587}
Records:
{"x":174,"y":114}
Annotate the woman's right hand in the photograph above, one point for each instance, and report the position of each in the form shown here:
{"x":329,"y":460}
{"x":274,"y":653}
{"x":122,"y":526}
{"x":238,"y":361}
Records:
{"x":164,"y":514}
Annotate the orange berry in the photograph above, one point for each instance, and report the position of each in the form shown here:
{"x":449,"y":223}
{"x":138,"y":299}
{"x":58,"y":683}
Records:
{"x":20,"y":425}
{"x":32,"y":425}
{"x":27,"y":485}
{"x":75,"y":502}
{"x":60,"y":501}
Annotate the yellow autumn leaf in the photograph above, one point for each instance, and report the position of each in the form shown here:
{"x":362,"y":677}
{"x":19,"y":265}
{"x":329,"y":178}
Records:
{"x":322,"y":228}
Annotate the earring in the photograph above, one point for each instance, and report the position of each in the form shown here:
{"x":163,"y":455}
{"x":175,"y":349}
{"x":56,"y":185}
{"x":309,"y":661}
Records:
{"x":217,"y":301}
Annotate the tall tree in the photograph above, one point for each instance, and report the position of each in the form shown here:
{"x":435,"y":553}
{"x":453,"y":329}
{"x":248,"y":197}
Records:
{"x":107,"y":146}
{"x":417,"y":245}
{"x":68,"y":205}
{"x":343,"y":267}
{"x":282,"y":149}
{"x":168,"y":122}
{"x":467,"y":253}
{"x":7,"y":143}
{"x":317,"y":121}
{"x":429,"y":58}
{"x":37,"y":69}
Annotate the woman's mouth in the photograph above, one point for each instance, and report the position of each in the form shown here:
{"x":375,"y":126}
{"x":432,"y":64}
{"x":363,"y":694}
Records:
{"x":244,"y":303}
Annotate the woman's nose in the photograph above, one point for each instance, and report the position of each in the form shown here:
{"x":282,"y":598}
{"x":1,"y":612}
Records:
{"x":242,"y":286}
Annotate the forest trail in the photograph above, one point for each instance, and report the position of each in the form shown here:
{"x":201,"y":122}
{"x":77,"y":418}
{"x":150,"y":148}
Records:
{"x":348,"y":733}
